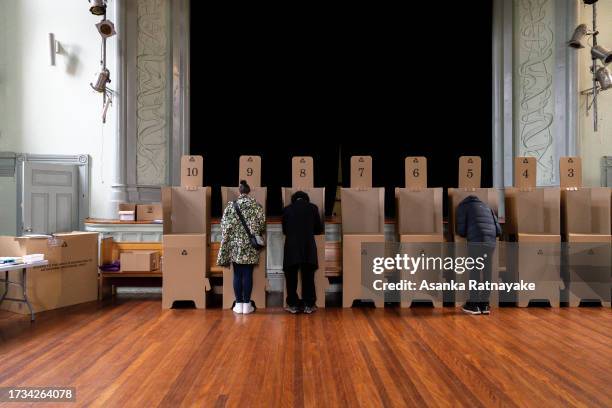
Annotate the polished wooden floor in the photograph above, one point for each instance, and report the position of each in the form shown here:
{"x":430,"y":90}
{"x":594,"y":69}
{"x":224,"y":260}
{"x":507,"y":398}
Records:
{"x":131,"y":353}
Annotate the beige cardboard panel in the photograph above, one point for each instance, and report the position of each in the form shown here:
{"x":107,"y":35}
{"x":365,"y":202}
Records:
{"x":192,"y":171}
{"x":139,"y":261}
{"x":469,"y":171}
{"x":363,"y":211}
{"x":586,"y":210}
{"x":525,"y":172}
{"x":258,"y":295}
{"x":412,"y":247}
{"x":589,"y":238}
{"x":419,"y":211}
{"x":416,"y":172}
{"x":456,"y":195}
{"x":534,"y":265}
{"x":535,"y":211}
{"x":316,"y":195}
{"x":70,"y":278}
{"x":232,"y":193}
{"x":250,"y":170}
{"x":149,"y":212}
{"x":361,"y":171}
{"x":126,"y":207}
{"x":351,"y":266}
{"x":570,"y":172}
{"x":302,"y":172}
{"x":184,"y":269}
{"x":186,"y":210}
{"x":588,"y":259}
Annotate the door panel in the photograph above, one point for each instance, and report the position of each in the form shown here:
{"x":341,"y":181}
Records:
{"x":50,"y":198}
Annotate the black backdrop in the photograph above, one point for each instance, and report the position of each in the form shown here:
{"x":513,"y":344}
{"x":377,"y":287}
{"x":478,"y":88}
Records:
{"x":318,"y":80}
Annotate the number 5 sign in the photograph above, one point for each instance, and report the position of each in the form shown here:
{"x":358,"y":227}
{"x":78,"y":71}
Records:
{"x":469,"y":171}
{"x":191,"y":171}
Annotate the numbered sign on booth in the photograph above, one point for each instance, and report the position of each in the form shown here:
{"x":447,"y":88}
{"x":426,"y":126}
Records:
{"x":361,"y":171}
{"x":469,"y":171}
{"x":192,"y":171}
{"x":302,"y":172}
{"x":570,"y":172}
{"x":416,"y":172}
{"x":525,"y":172}
{"x":250,"y":170}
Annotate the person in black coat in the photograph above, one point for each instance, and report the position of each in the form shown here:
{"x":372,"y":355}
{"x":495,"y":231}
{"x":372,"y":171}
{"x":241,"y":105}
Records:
{"x":301,"y":222}
{"x":477,"y":222}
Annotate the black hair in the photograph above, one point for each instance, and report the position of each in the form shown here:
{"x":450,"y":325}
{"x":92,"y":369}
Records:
{"x":244,"y":187}
{"x":300,"y":195}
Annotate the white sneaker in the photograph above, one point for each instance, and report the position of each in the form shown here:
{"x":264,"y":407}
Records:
{"x":247,"y":308}
{"x":238,"y":308}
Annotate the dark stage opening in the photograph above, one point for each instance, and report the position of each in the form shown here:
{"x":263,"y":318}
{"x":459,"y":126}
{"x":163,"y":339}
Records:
{"x":333,"y":81}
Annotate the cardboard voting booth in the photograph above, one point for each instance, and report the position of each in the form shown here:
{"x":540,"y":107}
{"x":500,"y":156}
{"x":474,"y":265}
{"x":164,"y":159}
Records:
{"x":249,"y":170}
{"x":533,"y":222}
{"x":585,"y":227}
{"x":71,"y":276}
{"x":363,"y":220}
{"x":185,"y":260}
{"x":302,"y":177}
{"x":469,"y":185}
{"x":419,"y":224}
{"x":186,"y":239}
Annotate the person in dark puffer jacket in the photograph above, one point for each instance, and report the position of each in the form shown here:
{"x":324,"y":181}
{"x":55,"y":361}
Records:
{"x":477,"y":222}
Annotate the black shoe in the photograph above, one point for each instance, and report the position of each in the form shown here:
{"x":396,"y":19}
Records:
{"x":309,"y":309}
{"x":485,"y":309}
{"x":292,"y":309}
{"x":471,"y":308}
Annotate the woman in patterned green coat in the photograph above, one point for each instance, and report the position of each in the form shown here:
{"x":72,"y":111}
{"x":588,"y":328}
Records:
{"x":236,"y":248}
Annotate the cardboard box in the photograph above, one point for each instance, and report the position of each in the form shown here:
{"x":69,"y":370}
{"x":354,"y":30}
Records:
{"x":71,"y":277}
{"x":139,"y":261}
{"x":586,"y":211}
{"x":533,"y":211}
{"x":490,"y":196}
{"x":149,"y":212}
{"x":363,"y":210}
{"x":184,"y":269}
{"x":539,"y":258}
{"x":126,"y":207}
{"x":588,"y":261}
{"x":352,"y":259}
{"x":186,"y":210}
{"x":429,"y":245}
{"x":419,"y":211}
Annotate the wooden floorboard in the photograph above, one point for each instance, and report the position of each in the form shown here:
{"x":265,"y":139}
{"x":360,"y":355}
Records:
{"x":128,"y":352}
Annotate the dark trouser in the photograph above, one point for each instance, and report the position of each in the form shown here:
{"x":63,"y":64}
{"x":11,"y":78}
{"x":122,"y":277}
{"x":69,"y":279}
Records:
{"x":243,"y":282}
{"x":484,"y":275}
{"x":309,"y":295}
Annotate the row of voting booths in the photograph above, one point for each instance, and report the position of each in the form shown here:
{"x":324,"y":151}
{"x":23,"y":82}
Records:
{"x":537,"y":221}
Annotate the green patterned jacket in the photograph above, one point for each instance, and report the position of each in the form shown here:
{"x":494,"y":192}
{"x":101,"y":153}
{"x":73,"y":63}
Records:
{"x":235,"y":244}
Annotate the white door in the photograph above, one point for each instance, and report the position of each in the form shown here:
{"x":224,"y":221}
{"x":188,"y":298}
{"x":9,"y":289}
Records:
{"x":50,"y":201}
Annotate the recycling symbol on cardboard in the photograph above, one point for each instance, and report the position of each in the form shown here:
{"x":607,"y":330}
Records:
{"x":570,"y":160}
{"x":525,"y":160}
{"x":250,"y":159}
{"x":415,"y":160}
{"x":184,"y":252}
{"x":302,"y":160}
{"x":65,"y":244}
{"x":191,"y":159}
{"x":361,"y":160}
{"x":470,"y":161}
{"x":540,"y":252}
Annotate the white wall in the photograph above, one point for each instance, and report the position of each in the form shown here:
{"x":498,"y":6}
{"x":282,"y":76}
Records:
{"x":592,"y":146}
{"x":48,"y":109}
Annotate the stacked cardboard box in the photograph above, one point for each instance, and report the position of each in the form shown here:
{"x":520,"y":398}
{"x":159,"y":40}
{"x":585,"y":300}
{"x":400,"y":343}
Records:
{"x":186,"y":239}
{"x":363,"y":221}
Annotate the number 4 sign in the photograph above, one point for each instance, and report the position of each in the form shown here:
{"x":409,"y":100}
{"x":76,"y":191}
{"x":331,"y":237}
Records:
{"x":192,"y":171}
{"x":524,"y":172}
